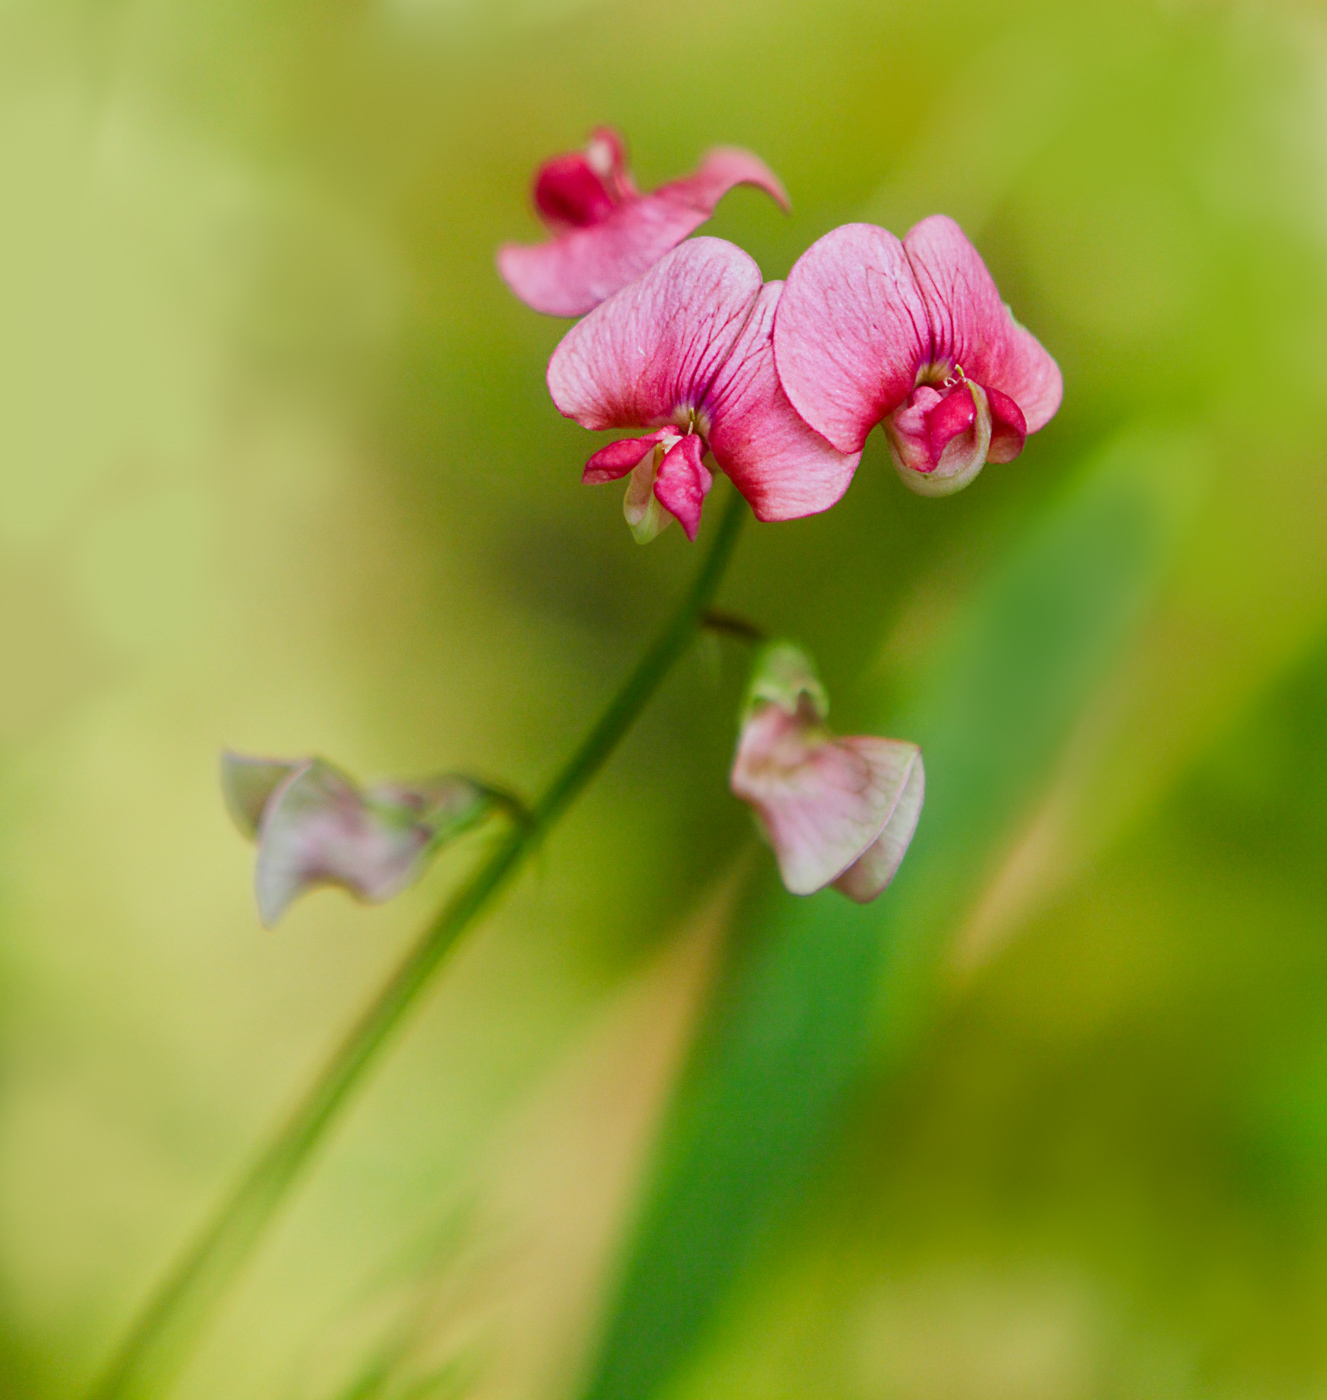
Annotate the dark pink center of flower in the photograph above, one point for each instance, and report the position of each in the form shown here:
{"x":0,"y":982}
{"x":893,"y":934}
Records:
{"x":568,"y":192}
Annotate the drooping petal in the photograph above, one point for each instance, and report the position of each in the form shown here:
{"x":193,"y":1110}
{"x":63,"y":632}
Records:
{"x":607,"y":233}
{"x":899,"y":765}
{"x":851,"y":333}
{"x":647,"y":355}
{"x":618,"y":458}
{"x":971,"y":327}
{"x":318,"y":828}
{"x":247,"y":785}
{"x":784,"y":468}
{"x":721,"y":170}
{"x":823,"y":802}
{"x":683,"y":482}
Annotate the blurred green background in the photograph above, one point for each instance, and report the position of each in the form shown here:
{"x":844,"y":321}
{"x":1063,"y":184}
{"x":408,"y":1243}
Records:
{"x":278,"y":470}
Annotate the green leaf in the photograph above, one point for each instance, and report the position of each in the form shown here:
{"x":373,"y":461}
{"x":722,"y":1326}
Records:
{"x":800,"y":1017}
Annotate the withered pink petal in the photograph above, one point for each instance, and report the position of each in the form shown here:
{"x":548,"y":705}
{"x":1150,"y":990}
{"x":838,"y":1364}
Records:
{"x":823,"y":802}
{"x":683,"y":482}
{"x":971,"y":327}
{"x":900,"y":764}
{"x":784,"y":468}
{"x":570,"y":193}
{"x":850,"y":333}
{"x":1008,"y":427}
{"x":721,"y":170}
{"x":648,"y":354}
{"x":617,"y":459}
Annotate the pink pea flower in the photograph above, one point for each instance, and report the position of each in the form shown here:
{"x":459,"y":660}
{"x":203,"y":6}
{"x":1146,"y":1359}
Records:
{"x":912,"y":335}
{"x":687,"y":353}
{"x":316,"y":827}
{"x":838,"y":811}
{"x":605,"y":231}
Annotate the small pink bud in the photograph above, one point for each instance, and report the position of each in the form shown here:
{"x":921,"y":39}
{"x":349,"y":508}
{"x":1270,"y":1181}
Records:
{"x":838,"y":811}
{"x":314,"y":827}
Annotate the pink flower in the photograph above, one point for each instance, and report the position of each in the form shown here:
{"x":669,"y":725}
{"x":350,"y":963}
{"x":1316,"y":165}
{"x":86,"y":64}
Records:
{"x":605,"y":232}
{"x":913,"y":335}
{"x":686,"y":352}
{"x":837,"y":811}
{"x":316,"y":827}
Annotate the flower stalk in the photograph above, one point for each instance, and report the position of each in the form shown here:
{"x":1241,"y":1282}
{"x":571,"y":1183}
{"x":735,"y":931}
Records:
{"x":159,"y":1341}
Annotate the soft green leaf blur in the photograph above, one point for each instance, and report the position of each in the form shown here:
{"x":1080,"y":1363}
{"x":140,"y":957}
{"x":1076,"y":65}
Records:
{"x":278,"y":471}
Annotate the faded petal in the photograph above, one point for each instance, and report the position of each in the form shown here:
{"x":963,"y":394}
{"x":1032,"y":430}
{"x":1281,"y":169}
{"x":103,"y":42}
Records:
{"x":647,"y":356}
{"x":823,"y":802}
{"x":898,"y":764}
{"x":683,"y":482}
{"x":970,"y":326}
{"x":784,"y":468}
{"x":247,"y":784}
{"x":608,"y":234}
{"x":318,"y":828}
{"x":850,"y":333}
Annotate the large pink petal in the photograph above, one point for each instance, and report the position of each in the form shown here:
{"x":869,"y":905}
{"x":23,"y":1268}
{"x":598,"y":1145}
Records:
{"x":851,"y":333}
{"x":721,"y":170}
{"x":683,"y":482}
{"x":648,"y":355}
{"x":970,"y":325}
{"x":823,"y":802}
{"x":784,"y":468}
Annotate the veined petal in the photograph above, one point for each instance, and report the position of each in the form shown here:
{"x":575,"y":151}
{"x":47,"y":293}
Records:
{"x":649,"y":354}
{"x":247,"y":785}
{"x":851,"y":333}
{"x":823,"y":802}
{"x":720,"y":171}
{"x":575,"y":271}
{"x":898,"y":766}
{"x":683,"y":482}
{"x":784,"y":468}
{"x":971,"y":327}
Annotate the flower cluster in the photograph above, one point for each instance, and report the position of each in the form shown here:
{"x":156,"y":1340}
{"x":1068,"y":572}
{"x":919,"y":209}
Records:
{"x":776,"y":385}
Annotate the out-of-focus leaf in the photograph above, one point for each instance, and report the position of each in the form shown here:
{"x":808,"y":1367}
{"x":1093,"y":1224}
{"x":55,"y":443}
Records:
{"x":799,"y":1018}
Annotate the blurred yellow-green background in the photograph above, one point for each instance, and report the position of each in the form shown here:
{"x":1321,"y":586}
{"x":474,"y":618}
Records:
{"x":278,"y":470}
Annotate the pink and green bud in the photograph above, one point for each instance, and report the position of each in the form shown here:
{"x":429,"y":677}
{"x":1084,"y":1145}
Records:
{"x":314,"y":827}
{"x":837,"y":811}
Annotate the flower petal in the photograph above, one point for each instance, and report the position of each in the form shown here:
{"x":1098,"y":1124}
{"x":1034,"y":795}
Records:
{"x":247,"y":785}
{"x":649,"y":353}
{"x":570,"y":193}
{"x":683,"y":482}
{"x":1009,"y":428}
{"x":784,"y":468}
{"x":970,"y":326}
{"x":823,"y":802}
{"x":618,"y":458}
{"x":720,"y":171}
{"x":851,"y":333}
{"x":897,"y":765}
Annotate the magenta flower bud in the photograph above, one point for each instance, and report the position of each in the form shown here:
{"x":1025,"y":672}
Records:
{"x":314,"y":827}
{"x":912,"y":335}
{"x":606,"y":233}
{"x":687,"y":354}
{"x":837,"y":811}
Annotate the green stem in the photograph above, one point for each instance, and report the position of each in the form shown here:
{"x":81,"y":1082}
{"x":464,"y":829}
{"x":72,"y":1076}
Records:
{"x":157,"y":1344}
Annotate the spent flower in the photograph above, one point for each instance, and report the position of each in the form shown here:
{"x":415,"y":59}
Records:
{"x":314,"y":826}
{"x":838,"y":811}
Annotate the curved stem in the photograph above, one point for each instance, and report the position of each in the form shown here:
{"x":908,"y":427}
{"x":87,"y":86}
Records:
{"x":156,"y":1345}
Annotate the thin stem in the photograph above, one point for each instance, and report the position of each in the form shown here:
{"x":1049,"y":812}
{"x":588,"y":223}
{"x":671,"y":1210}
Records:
{"x":157,"y":1344}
